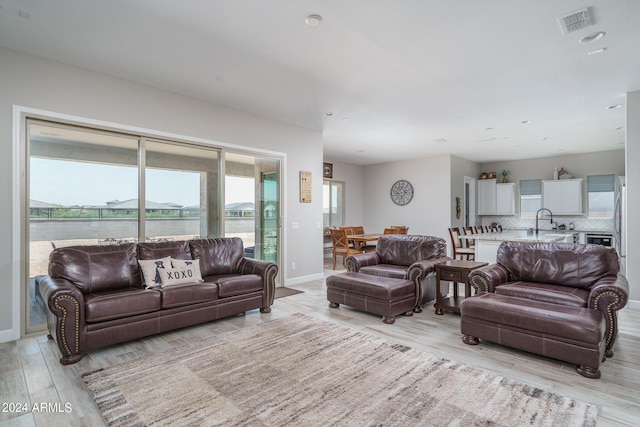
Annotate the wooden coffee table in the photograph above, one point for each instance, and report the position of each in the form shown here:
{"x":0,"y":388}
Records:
{"x":456,"y":271}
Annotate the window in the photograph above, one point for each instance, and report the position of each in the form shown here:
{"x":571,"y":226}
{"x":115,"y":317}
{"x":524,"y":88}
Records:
{"x":530,"y":197}
{"x":600,"y":193}
{"x":332,"y":204}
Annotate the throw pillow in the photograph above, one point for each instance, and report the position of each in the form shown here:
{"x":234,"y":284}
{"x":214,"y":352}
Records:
{"x":179,"y":275}
{"x":179,"y":263}
{"x":151,"y":270}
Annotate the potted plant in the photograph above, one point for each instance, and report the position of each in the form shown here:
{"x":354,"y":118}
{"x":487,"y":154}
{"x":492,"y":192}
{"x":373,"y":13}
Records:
{"x":505,"y":173}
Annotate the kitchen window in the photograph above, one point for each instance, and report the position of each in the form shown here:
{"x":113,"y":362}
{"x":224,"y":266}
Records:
{"x":530,"y":197}
{"x":601,"y":195}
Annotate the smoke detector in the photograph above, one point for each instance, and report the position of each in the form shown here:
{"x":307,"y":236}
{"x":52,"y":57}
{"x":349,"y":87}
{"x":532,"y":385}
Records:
{"x":576,"y":20}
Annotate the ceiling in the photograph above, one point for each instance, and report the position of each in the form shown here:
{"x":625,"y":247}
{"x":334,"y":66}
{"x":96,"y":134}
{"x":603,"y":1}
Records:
{"x":382,"y":80}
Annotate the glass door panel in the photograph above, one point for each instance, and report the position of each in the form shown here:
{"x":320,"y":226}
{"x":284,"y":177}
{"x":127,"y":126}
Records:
{"x":181,"y":191}
{"x":252,"y":204}
{"x":82,"y":190}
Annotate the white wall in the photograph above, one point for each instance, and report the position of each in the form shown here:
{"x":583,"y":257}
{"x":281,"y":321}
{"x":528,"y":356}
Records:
{"x":633,"y":194}
{"x":429,"y":213}
{"x":40,"y":84}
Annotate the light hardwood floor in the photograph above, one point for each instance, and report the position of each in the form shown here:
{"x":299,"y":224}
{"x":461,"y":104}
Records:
{"x":31,"y":374}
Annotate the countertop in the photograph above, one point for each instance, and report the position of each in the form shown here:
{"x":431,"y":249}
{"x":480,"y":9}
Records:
{"x":520,"y":236}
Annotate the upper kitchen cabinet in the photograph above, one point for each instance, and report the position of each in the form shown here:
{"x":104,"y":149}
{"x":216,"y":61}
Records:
{"x":563,"y":196}
{"x":496,"y":198}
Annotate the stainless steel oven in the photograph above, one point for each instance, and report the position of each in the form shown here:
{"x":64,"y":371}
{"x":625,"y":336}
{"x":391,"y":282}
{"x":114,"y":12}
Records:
{"x":600,"y":239}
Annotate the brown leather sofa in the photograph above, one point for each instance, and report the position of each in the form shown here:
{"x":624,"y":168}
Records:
{"x":556,"y":299}
{"x":96,"y":295}
{"x":403,"y":256}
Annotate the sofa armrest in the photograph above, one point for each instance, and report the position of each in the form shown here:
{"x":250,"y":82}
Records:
{"x":486,"y":279}
{"x":421,"y":269}
{"x":66,"y":317}
{"x":355,"y":262}
{"x":268,"y":271}
{"x":608,"y":295}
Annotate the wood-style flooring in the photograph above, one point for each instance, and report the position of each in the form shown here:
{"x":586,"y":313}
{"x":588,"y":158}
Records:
{"x":31,"y":374}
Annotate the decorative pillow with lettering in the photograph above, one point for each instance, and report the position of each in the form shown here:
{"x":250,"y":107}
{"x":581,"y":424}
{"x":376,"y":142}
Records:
{"x":181,"y":275}
{"x":151,"y":270}
{"x":178,"y":263}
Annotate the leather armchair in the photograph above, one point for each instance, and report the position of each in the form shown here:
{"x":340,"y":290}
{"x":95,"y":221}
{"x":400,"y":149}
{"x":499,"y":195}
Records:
{"x":565,"y":274}
{"x":403,"y":256}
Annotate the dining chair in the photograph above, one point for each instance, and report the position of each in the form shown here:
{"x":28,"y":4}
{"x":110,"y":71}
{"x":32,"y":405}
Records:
{"x":390,"y":230}
{"x":358,"y":229}
{"x":486,"y":229}
{"x":341,"y":245}
{"x":469,"y":243}
{"x":457,"y":247}
{"x":402,"y":229}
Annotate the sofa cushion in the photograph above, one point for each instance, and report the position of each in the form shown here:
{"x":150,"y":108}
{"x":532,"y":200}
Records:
{"x":96,"y":268}
{"x":218,"y":256}
{"x":386,"y":270}
{"x":179,"y":295}
{"x":175,"y":249}
{"x":398,"y":249}
{"x":567,"y":264}
{"x":115,"y":304}
{"x":557,"y":294}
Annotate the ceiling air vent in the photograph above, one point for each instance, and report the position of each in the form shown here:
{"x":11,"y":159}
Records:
{"x":576,"y":20}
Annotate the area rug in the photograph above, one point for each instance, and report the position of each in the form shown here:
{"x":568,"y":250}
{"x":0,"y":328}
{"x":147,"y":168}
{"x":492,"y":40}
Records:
{"x":281,"y":292}
{"x":298,"y":371}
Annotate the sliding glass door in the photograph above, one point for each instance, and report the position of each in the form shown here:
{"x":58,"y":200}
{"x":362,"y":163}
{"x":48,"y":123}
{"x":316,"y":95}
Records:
{"x":86,"y":187}
{"x":252,"y":204}
{"x":82,"y":190}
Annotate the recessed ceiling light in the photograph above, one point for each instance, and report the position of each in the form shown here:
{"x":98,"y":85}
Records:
{"x":596,"y":51}
{"x":488,"y":128}
{"x":525,"y":122}
{"x":346,"y":119}
{"x":614,"y":107}
{"x":360,"y":151}
{"x":619,"y":128}
{"x":545,"y":138}
{"x":328,"y":114}
{"x":440,"y":140}
{"x":313,"y":20}
{"x":593,"y":37}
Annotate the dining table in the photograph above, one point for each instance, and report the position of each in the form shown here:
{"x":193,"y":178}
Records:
{"x":361,"y":240}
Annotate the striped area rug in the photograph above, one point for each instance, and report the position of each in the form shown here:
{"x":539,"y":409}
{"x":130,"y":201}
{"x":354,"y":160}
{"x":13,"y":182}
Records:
{"x":298,"y":371}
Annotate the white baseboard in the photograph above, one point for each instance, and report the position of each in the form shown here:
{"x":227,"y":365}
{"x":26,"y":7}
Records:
{"x":633,"y":304}
{"x":302,"y":279}
{"x":9,"y":335}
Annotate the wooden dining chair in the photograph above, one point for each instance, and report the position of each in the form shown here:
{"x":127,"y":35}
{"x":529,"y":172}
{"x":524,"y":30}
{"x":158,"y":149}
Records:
{"x":402,"y":229}
{"x":341,"y":246}
{"x":469,"y":243}
{"x":358,"y":229}
{"x":390,"y":230}
{"x":458,"y":249}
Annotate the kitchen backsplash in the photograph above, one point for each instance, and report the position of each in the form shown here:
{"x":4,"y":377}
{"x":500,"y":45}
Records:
{"x":580,"y":223}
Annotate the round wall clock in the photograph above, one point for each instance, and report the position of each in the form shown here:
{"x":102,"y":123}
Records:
{"x":401,"y":192}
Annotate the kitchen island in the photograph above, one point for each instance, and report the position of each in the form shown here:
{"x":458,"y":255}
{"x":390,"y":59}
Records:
{"x":487,"y":244}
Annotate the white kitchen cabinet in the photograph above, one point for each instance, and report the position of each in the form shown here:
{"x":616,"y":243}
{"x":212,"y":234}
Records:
{"x":496,"y":198}
{"x":506,"y":199}
{"x":487,"y":197}
{"x":563,"y":196}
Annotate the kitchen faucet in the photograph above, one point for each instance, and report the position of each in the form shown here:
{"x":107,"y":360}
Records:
{"x":550,"y":219}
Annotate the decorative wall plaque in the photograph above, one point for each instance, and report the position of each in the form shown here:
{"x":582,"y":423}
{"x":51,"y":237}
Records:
{"x":305,"y":187}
